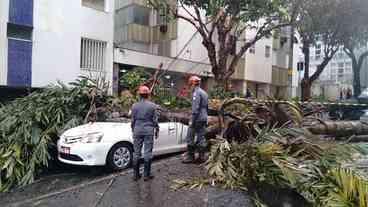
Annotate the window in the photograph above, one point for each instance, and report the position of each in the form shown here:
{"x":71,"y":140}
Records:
{"x":163,"y":15}
{"x":93,"y":53}
{"x":341,"y":70}
{"x":94,"y":4}
{"x":267,"y":51}
{"x":333,"y":70}
{"x":318,"y":52}
{"x":252,"y":49}
{"x":132,"y":15}
{"x":19,"y":32}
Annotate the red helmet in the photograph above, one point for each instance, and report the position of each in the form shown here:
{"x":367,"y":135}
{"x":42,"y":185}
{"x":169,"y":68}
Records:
{"x":144,"y":90}
{"x":194,"y":80}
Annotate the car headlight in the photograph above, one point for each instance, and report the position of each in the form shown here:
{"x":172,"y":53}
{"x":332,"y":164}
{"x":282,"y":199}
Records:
{"x":92,"y":137}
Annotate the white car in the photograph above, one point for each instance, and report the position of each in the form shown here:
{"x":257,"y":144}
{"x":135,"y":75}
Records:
{"x":111,"y":144}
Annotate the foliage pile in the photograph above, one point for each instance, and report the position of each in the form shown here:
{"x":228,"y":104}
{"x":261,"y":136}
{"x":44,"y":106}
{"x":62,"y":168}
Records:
{"x":264,"y":146}
{"x":30,"y":126}
{"x":286,"y":158}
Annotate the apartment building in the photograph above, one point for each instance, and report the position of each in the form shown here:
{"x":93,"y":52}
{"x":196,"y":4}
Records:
{"x":145,"y":38}
{"x":338,"y":73}
{"x":45,"y":41}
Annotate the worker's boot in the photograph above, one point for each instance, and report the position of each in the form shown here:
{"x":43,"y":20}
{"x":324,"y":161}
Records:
{"x":201,"y":155}
{"x":136,"y":166}
{"x":147,"y":170}
{"x":189,"y":156}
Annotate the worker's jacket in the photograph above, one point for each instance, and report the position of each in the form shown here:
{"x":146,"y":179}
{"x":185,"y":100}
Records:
{"x":199,"y":105}
{"x":144,"y":118}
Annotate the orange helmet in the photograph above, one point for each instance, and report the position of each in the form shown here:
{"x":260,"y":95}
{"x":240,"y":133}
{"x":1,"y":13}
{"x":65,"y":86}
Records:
{"x":144,"y":90}
{"x":194,"y":80}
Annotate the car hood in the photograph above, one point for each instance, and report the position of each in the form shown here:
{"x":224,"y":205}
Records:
{"x":103,"y":127}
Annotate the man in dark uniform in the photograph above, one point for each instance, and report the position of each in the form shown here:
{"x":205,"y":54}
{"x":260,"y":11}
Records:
{"x":198,"y":124}
{"x":145,"y":127}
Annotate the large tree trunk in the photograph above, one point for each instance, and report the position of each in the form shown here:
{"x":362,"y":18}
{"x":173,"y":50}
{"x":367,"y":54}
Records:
{"x":340,"y":128}
{"x":306,"y":89}
{"x":306,"y":83}
{"x":356,"y":80}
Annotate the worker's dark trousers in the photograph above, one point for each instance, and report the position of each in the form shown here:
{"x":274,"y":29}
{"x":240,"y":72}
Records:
{"x":197,"y":130}
{"x":140,"y":141}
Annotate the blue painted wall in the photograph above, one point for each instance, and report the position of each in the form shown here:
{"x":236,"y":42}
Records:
{"x":20,"y":51}
{"x":19,"y":63}
{"x":21,"y":12}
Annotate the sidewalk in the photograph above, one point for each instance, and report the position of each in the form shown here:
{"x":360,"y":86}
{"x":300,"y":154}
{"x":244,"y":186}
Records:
{"x":120,"y":190}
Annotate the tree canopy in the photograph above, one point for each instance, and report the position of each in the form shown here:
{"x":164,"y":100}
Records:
{"x":222,"y":25}
{"x":321,"y":21}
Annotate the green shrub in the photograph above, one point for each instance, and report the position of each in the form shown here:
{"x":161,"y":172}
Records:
{"x":219,"y":92}
{"x":164,"y":97}
{"x":133,"y":79}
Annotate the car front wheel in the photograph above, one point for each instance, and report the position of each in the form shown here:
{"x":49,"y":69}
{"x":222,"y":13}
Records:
{"x":120,"y":157}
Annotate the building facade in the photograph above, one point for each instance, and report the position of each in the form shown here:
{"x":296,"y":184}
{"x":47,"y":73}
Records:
{"x":142,"y":33}
{"x":338,"y":73}
{"x":47,"y":41}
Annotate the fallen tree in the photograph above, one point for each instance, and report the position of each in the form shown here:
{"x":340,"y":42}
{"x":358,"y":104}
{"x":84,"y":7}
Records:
{"x":266,"y":149}
{"x":339,"y":128}
{"x":29,"y":127}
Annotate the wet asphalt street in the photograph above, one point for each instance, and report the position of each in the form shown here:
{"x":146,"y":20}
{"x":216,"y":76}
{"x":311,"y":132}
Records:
{"x":99,"y":189}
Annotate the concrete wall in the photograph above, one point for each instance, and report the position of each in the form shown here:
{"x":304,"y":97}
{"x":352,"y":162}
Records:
{"x":4,"y":11}
{"x":58,"y":28}
{"x":195,"y":51}
{"x":258,"y":68}
{"x":130,"y":57}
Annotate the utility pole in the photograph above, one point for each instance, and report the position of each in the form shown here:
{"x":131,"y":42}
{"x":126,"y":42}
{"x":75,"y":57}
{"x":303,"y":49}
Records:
{"x":291,"y":60}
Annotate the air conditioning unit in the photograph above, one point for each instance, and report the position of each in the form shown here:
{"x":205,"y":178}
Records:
{"x":163,"y":28}
{"x":283,"y":40}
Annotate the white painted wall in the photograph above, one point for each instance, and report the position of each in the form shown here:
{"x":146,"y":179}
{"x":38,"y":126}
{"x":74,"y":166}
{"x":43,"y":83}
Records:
{"x":4,"y":12}
{"x":195,"y":51}
{"x":258,"y":68}
{"x":58,"y":28}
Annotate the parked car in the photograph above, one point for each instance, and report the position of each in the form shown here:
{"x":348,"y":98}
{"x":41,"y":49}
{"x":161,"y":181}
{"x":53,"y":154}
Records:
{"x":111,"y":144}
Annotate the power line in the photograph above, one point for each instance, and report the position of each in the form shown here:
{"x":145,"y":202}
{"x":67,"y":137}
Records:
{"x":193,"y":67}
{"x":177,"y":56}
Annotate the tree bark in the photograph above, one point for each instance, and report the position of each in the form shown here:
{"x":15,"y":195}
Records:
{"x":306,"y":84}
{"x":340,"y":128}
{"x":306,"y":89}
{"x":356,"y":79}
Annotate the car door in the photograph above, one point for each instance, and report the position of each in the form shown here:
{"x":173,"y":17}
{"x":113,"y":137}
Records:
{"x":170,"y":137}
